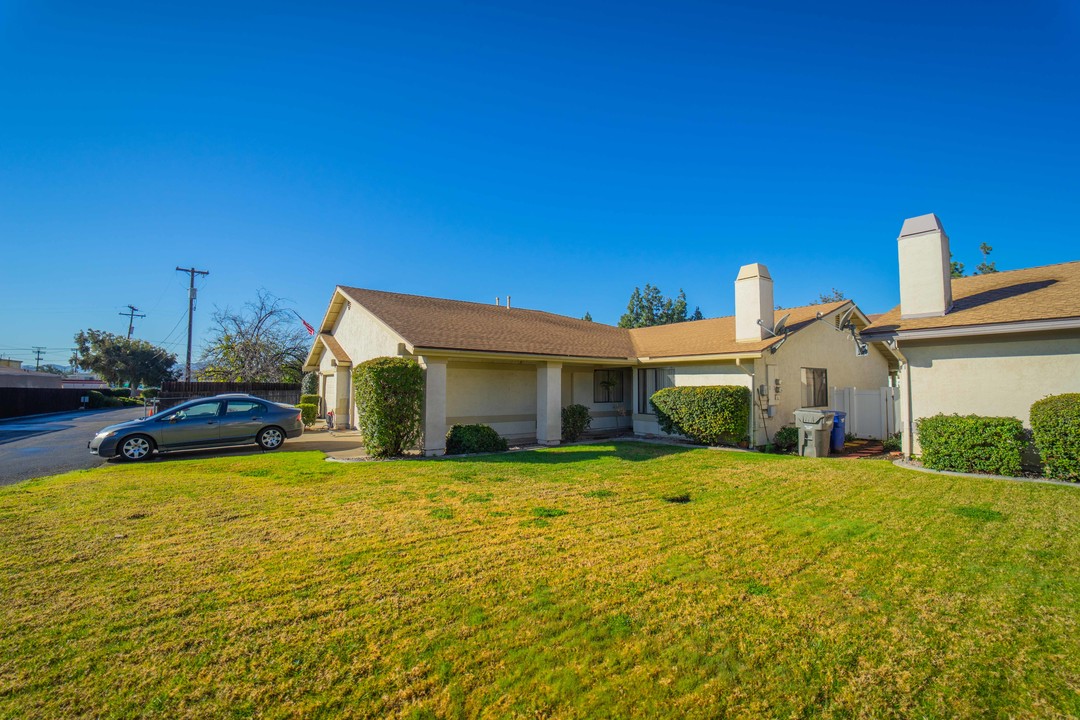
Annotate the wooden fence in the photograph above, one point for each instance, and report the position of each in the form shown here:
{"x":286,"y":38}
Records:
{"x":19,"y":402}
{"x":174,"y":393}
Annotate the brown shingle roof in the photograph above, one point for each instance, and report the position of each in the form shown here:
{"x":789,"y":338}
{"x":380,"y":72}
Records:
{"x":456,"y":325}
{"x":335,"y":348}
{"x":1050,"y":292}
{"x":427,"y":322}
{"x":716,"y":336}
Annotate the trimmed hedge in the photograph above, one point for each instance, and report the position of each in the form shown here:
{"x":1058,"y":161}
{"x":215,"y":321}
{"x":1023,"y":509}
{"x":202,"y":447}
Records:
{"x":389,"y":404}
{"x":461,"y":439}
{"x":308,"y":413}
{"x":1055,"y":421}
{"x":575,"y":420}
{"x":105,"y":399}
{"x":972,"y":443}
{"x":711,"y":414}
{"x":307,"y":399}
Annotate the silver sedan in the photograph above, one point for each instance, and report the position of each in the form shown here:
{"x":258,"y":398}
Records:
{"x":216,"y":421}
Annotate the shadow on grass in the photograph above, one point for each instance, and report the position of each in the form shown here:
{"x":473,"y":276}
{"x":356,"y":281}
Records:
{"x":626,"y":451}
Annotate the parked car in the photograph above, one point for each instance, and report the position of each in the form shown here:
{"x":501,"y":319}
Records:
{"x":219,"y":421}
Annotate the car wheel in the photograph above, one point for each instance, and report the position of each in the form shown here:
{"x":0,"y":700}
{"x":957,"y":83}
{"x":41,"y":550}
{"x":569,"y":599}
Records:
{"x":136,"y":448}
{"x":270,"y":438}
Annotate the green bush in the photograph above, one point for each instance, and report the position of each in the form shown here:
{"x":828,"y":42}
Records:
{"x":972,"y":443}
{"x":307,"y":399}
{"x":150,"y":393}
{"x":118,"y":392}
{"x":893,"y":443}
{"x":308,"y":413}
{"x":1055,"y":421}
{"x":309,"y":384}
{"x":575,"y":421}
{"x":389,"y":404}
{"x":463,"y":439}
{"x":786,"y":438}
{"x":711,"y":414}
{"x":97,"y":399}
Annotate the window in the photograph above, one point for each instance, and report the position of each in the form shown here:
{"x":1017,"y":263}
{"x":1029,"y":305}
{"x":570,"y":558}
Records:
{"x":607,"y":386}
{"x":649,"y":381}
{"x":199,"y":410}
{"x":244,"y":407}
{"x":815,"y":387}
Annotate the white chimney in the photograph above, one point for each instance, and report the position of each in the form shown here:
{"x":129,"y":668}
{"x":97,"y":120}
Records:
{"x":753,"y":302}
{"x":925,"y":270}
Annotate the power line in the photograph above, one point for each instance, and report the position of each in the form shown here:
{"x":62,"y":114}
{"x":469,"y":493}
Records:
{"x":132,"y":313}
{"x":191,"y":312}
{"x":38,"y":352}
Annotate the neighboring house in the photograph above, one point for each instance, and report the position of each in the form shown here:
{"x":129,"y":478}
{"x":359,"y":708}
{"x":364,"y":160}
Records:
{"x":987,"y":344}
{"x":515,"y":369}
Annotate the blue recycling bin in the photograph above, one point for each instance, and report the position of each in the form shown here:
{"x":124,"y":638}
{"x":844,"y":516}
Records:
{"x":839,"y":430}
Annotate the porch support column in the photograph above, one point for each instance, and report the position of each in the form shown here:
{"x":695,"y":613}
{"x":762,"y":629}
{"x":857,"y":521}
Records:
{"x":549,"y":403}
{"x":343,"y":391}
{"x":434,"y":406}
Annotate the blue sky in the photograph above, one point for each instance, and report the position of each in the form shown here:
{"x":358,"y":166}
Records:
{"x":561,"y":153}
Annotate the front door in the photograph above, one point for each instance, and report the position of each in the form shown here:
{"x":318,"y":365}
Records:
{"x":192,"y":425}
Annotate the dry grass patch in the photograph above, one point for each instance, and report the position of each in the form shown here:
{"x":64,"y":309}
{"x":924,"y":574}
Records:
{"x":557,"y":583}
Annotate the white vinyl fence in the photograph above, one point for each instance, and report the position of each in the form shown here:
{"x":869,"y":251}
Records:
{"x":870,"y":413}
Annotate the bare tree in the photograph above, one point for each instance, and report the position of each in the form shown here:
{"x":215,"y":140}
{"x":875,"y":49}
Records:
{"x":263,"y":342}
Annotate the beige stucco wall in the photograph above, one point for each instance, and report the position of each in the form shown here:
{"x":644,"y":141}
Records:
{"x":577,"y":389}
{"x":502,"y":395}
{"x":362,"y":337}
{"x":998,"y":375}
{"x":816,"y":346}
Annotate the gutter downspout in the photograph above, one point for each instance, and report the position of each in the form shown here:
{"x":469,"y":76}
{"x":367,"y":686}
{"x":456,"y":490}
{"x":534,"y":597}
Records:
{"x":753,"y":390}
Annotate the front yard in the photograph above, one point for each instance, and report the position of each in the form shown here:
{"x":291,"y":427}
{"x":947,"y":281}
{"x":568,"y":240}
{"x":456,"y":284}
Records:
{"x":623,"y":580}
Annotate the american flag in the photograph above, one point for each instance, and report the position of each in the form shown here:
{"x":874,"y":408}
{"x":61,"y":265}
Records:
{"x":307,"y":325}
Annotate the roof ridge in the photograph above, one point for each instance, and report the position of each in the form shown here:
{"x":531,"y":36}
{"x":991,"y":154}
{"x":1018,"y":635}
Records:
{"x":1003,"y":272}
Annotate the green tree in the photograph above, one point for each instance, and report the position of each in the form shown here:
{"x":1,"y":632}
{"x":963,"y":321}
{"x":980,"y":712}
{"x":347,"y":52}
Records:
{"x":650,"y":307}
{"x":985,"y":267}
{"x":117,"y":359}
{"x":956,"y":268}
{"x":834,"y":296}
{"x":587,"y":317}
{"x":263,"y":342}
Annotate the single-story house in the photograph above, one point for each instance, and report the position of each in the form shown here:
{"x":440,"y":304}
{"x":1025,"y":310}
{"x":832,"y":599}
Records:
{"x":987,"y":344}
{"x":515,"y":369}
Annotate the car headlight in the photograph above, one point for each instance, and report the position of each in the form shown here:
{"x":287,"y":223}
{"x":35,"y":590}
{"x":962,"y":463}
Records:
{"x":106,"y":434}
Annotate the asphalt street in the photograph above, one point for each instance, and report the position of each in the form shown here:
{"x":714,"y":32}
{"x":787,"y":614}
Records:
{"x":42,"y":445}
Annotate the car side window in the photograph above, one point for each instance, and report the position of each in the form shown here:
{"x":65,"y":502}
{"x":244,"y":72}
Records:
{"x":244,"y":407}
{"x":200,"y":410}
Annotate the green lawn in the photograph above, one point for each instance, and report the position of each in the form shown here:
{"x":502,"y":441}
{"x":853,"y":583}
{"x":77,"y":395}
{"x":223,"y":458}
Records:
{"x":625,"y":580}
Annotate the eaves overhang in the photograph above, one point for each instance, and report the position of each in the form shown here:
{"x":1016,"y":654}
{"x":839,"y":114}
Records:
{"x":969,"y":331}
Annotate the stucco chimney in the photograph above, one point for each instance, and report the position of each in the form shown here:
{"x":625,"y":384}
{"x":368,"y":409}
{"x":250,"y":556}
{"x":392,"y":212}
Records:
{"x":925,"y":273}
{"x":753,"y":302}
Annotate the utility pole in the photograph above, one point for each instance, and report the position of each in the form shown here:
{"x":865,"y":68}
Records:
{"x":38,"y":352}
{"x":190,"y":313}
{"x":131,"y":315}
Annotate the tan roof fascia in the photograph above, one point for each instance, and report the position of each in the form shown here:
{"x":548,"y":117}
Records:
{"x":736,"y":357}
{"x":450,"y":353}
{"x":967,"y":331}
{"x":333,"y":312}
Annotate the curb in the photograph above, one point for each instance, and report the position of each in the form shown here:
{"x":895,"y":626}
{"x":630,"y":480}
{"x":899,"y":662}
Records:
{"x":902,"y":463}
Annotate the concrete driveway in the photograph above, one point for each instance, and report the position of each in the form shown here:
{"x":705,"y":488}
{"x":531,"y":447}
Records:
{"x":43,"y":445}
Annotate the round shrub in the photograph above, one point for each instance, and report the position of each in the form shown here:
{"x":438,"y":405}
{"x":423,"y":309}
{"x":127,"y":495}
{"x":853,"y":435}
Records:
{"x":1055,"y":422}
{"x":462,"y":439}
{"x":389,"y":404}
{"x":972,"y":443}
{"x":786,"y":438}
{"x":575,"y":421}
{"x":711,"y":414}
{"x":308,"y":413}
{"x":309,"y":399}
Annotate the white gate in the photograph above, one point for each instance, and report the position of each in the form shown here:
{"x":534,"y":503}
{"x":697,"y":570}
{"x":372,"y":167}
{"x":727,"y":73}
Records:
{"x":870,"y":413}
